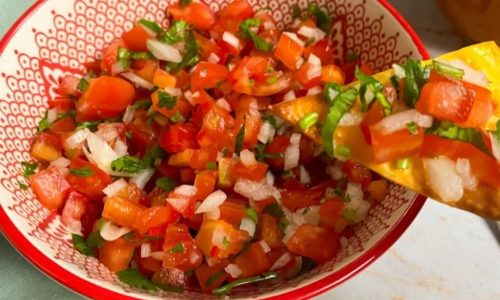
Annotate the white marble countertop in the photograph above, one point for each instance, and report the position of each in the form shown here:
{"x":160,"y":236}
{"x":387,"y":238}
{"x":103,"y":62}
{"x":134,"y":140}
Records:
{"x":446,"y":253}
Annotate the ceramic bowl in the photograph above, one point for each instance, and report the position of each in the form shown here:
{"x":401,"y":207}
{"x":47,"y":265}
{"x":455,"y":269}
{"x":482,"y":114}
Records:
{"x":55,"y":37}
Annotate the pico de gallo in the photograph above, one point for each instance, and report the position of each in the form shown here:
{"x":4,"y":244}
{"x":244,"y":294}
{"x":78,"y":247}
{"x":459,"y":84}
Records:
{"x":167,"y":165}
{"x":433,"y":127}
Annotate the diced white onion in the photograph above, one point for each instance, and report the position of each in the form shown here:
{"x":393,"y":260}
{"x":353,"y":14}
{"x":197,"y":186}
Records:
{"x":186,"y":190}
{"x":179,"y":204}
{"x":110,"y":232}
{"x":224,"y":104}
{"x":470,"y":74}
{"x":314,"y":60}
{"x":76,"y":140}
{"x":61,"y":162}
{"x":120,"y":148}
{"x":305,"y":177}
{"x":289,"y":96}
{"x":115,"y":187}
{"x":312,"y":33}
{"x":289,"y":232}
{"x":247,"y":158}
{"x":269,"y":178}
{"x":189,"y":97}
{"x":163,"y":51}
{"x":157,"y":255}
{"x":268,"y":25}
{"x":399,"y":71}
{"x":298,"y":219}
{"x":128,"y":116}
{"x":142,"y":178}
{"x":213,"y":214}
{"x":212,"y":202}
{"x":100,"y":152}
{"x":213,"y":58}
{"x":108,"y":131}
{"x":294,"y":38}
{"x":145,"y":250}
{"x":256,"y":191}
{"x":266,"y":133}
{"x":442,"y":178}
{"x":282,"y":261}
{"x":173,"y":91}
{"x":314,"y":91}
{"x":51,"y":115}
{"x":464,"y":170}
{"x":138,"y":81}
{"x":351,"y":119}
{"x":117,"y":68}
{"x":400,"y":120}
{"x":495,"y":145}
{"x":233,"y":270}
{"x":150,"y":32}
{"x":311,"y":214}
{"x":361,"y":211}
{"x":355,"y":191}
{"x":231,"y":39}
{"x":265,"y":246}
{"x":299,"y":63}
{"x":334,"y":170}
{"x":218,"y":238}
{"x":248,"y":225}
{"x":292,"y":152}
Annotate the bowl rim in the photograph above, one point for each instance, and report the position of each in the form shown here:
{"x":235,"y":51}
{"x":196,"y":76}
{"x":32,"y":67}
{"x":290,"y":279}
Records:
{"x":88,"y":289}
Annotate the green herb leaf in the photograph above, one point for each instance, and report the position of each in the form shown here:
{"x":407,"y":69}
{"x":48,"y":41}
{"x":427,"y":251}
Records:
{"x":44,"y":123}
{"x":211,"y":165}
{"x":448,"y":70}
{"x":223,"y":290}
{"x":348,"y":214}
{"x":343,"y":151}
{"x":190,"y":58}
{"x":155,"y":153}
{"x":309,"y":120}
{"x":306,"y":210}
{"x":141,"y":55}
{"x":166,"y":183}
{"x":128,"y":164}
{"x":368,"y":82}
{"x":272,"y":79}
{"x":178,"y":248}
{"x":240,"y":137}
{"x":28,"y":168}
{"x":212,"y":279}
{"x":307,"y":265}
{"x":323,"y":19}
{"x":274,"y":210}
{"x":270,"y":119}
{"x":166,"y":100}
{"x":177,"y":117}
{"x":414,"y":81}
{"x":352,"y":57}
{"x":92,"y":125}
{"x":83,"y":85}
{"x":252,"y":215}
{"x":450,"y":131}
{"x":142,"y":104}
{"x":151,"y":25}
{"x":70,"y":113}
{"x":94,"y":240}
{"x":22,"y":186}
{"x":184,"y":2}
{"x":81,"y":245}
{"x":176,"y":33}
{"x":412,"y":127}
{"x":82,"y":172}
{"x":226,"y":242}
{"x":134,"y":278}
{"x":339,"y":106}
{"x":259,"y":43}
{"x":123,"y":58}
{"x":497,"y":132}
{"x":130,"y":237}
{"x":403,"y":164}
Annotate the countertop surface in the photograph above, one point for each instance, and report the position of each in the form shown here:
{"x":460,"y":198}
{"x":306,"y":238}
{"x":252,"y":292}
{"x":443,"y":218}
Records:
{"x":445,"y":254}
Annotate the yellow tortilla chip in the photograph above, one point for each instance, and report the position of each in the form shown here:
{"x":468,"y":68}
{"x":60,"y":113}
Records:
{"x":484,"y":202}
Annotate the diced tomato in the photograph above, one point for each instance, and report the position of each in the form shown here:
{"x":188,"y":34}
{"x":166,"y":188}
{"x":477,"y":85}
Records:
{"x":210,"y":278}
{"x":92,"y":213}
{"x":277,"y":146}
{"x":205,"y":183}
{"x":208,"y":75}
{"x":378,"y":189}
{"x":144,"y":136}
{"x":302,"y":76}
{"x":330,"y":212}
{"x":322,"y":50}
{"x":270,"y":231}
{"x":254,"y":173}
{"x":60,"y":103}
{"x":197,"y":14}
{"x":301,"y":197}
{"x":222,"y":25}
{"x":180,"y":250}
{"x":317,"y":243}
{"x":92,"y":185}
{"x":121,"y":211}
{"x":483,"y":165}
{"x":182,"y":159}
{"x":464,"y":103}
{"x":248,"y":112}
{"x":181,"y":106}
{"x":216,"y":127}
{"x":110,"y":54}
{"x":396,"y":145}
{"x":136,"y":38}
{"x":45,"y":147}
{"x":232,"y":212}
{"x":289,"y":51}
{"x":250,"y":72}
{"x":106,"y":97}
{"x":187,"y":175}
{"x":234,"y":239}
{"x":209,"y":47}
{"x":253,"y":261}
{"x":179,"y":137}
{"x":181,"y":204}
{"x":155,"y":217}
{"x":373,"y":116}
{"x":132,"y":193}
{"x":147,"y":264}
{"x":116,"y":255}
{"x":237,"y":9}
{"x":357,"y":173}
{"x":73,"y":210}
{"x":68,"y":87}
{"x":203,"y":157}
{"x":50,"y":188}
{"x":163,"y":79}
{"x":63,"y":126}
{"x":145,"y":68}
{"x":333,"y":74}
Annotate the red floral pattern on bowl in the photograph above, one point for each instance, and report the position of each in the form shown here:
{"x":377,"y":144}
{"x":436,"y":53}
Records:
{"x":54,"y":37}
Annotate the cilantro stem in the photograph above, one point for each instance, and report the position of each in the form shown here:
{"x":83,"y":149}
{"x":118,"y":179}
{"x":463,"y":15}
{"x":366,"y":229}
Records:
{"x":223,"y":290}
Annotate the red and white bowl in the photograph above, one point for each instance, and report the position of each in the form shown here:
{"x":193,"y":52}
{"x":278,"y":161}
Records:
{"x":55,"y":37}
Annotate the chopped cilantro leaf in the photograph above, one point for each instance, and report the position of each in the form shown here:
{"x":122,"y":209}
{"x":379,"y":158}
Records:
{"x":190,"y":58}
{"x":270,"y":119}
{"x":128,"y":164}
{"x":240,"y":137}
{"x":83,"y":85}
{"x":134,"y":278}
{"x":177,"y":117}
{"x":323,"y":19}
{"x":184,"y":2}
{"x":178,"y":248}
{"x":81,"y":245}
{"x":28,"y":168}
{"x":82,"y":172}
{"x":92,"y":125}
{"x":252,"y":215}
{"x":166,"y":183}
{"x":225,"y":289}
{"x":412,"y":127}
{"x":94,"y":240}
{"x":176,"y":33}
{"x":123,"y":58}
{"x":226,"y":242}
{"x":142,"y":104}
{"x":348,"y":214}
{"x":44,"y":123}
{"x":151,"y":25}
{"x":259,"y":43}
{"x":22,"y":186}
{"x":450,"y":131}
{"x":415,"y":78}
{"x":212,"y":279}
{"x":166,"y":100}
{"x":211,"y":165}
{"x":369,"y":83}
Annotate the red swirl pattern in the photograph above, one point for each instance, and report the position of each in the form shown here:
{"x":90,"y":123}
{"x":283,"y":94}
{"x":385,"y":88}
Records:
{"x":79,"y":35}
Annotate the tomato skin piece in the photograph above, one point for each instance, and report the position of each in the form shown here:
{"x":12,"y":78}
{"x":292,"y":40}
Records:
{"x":155,"y":217}
{"x":145,"y":68}
{"x":248,"y":111}
{"x":46,"y":147}
{"x":254,"y":173}
{"x":143,"y":135}
{"x":205,"y":182}
{"x":483,"y":165}
{"x":317,"y":243}
{"x":203,"y":156}
{"x":60,"y":103}
{"x":205,"y":272}
{"x":136,"y":38}
{"x":110,"y":54}
{"x":232,"y":211}
{"x":277,"y":146}
{"x":301,"y":76}
{"x":322,"y":50}
{"x":396,"y":145}
{"x":121,"y":211}
{"x":116,"y":255}
{"x":208,"y":75}
{"x":237,"y":9}
{"x":62,"y":126}
{"x":298,"y":196}
{"x":270,"y":231}
{"x":68,"y":87}
{"x":106,"y":97}
{"x":216,"y":128}
{"x":197,"y":14}
{"x":204,"y":239}
{"x":179,"y":137}
{"x":333,"y":73}
{"x":187,"y":258}
{"x":357,"y":173}
{"x":90,"y":186}
{"x":253,"y":261}
{"x":288,"y":51}
{"x":50,"y":188}
{"x":373,"y":116}
{"x":330,"y":212}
